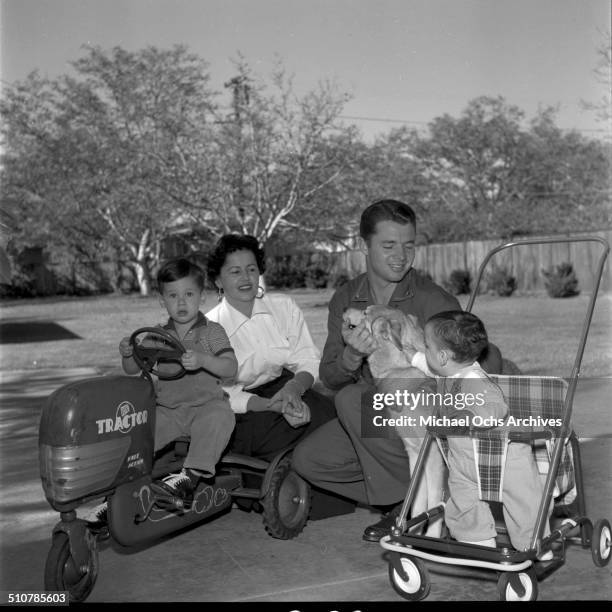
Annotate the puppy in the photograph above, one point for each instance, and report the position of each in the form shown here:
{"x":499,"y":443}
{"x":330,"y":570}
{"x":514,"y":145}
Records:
{"x":391,"y":369}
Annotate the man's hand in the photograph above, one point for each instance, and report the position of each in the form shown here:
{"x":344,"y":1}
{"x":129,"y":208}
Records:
{"x":359,"y":339}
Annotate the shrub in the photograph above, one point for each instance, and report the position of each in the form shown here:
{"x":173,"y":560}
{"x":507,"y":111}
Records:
{"x":561,"y":281}
{"x":284,"y":277}
{"x":501,"y":282}
{"x":458,"y":282}
{"x":316,"y":277}
{"x":423,"y":273}
{"x":339,"y":278}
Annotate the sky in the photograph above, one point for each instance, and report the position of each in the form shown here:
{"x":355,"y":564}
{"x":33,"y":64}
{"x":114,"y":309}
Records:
{"x":402,"y":61}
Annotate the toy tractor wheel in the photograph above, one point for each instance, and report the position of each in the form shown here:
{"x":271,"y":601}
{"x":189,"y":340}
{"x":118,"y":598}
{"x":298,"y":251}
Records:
{"x":601,"y":543}
{"x":528,"y":585}
{"x":415,"y":584}
{"x":62,"y":573}
{"x":286,"y":505}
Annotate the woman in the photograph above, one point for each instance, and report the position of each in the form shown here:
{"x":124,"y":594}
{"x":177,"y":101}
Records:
{"x":278,"y":362}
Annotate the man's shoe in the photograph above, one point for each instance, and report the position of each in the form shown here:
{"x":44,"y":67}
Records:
{"x":374,"y":532}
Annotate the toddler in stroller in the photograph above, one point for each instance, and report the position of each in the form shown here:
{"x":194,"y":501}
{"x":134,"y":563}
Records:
{"x":471,"y":405}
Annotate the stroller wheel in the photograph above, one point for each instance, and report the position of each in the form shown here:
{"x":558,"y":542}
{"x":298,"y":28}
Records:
{"x":416,"y":584}
{"x":600,"y":543}
{"x":518,"y":586}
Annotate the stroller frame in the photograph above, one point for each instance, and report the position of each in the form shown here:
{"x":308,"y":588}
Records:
{"x":519,"y":570}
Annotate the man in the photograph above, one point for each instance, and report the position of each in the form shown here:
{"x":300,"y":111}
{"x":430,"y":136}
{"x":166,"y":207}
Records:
{"x":372,"y":470}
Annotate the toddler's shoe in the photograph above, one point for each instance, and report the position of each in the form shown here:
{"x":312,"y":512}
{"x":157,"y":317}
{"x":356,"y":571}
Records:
{"x":490,"y":543}
{"x":546,"y":556}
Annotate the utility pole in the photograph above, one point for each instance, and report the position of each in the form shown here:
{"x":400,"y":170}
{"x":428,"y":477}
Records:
{"x":240,"y":100}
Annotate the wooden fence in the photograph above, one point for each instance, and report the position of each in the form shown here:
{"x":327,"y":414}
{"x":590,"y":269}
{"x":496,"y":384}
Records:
{"x":525,"y":263}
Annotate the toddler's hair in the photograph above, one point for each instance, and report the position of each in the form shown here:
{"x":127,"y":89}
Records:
{"x":175,"y":269}
{"x":461,"y":332}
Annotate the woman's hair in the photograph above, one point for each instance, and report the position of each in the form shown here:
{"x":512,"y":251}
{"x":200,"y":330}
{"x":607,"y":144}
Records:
{"x":175,"y":269}
{"x":460,"y":332}
{"x":385,"y":210}
{"x":230,"y":243}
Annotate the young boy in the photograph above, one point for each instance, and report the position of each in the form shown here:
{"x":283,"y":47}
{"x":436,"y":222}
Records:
{"x":453,"y":342}
{"x":194,"y":404}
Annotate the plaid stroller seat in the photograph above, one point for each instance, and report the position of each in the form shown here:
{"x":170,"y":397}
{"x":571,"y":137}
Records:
{"x":526,"y":396}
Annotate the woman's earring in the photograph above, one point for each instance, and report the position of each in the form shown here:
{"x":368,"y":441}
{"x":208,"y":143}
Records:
{"x":219,"y":294}
{"x":260,"y":292}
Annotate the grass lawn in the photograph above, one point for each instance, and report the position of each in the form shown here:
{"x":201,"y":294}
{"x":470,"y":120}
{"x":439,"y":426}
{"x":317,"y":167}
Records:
{"x":540,"y":334}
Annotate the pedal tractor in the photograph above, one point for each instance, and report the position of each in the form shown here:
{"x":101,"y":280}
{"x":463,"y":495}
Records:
{"x":96,"y":442}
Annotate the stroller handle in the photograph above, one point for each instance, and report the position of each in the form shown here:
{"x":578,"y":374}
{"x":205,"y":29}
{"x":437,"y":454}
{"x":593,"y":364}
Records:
{"x":598,"y":273}
{"x":573,"y":382}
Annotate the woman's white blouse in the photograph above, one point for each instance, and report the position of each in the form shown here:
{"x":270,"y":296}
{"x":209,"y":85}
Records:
{"x":275,"y":336}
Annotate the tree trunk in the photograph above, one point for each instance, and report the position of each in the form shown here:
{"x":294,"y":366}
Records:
{"x":142,"y":278}
{"x":141,"y":267}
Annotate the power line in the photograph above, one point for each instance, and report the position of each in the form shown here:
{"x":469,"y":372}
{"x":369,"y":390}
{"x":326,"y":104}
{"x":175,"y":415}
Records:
{"x":382,"y":120}
{"x":404,"y":121}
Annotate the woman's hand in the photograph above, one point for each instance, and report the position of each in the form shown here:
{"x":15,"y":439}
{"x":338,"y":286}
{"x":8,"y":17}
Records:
{"x":297,"y":415}
{"x":260,"y":404}
{"x":289,"y":394}
{"x":288,"y":401}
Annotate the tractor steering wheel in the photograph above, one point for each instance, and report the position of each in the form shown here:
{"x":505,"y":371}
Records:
{"x":164,"y":348}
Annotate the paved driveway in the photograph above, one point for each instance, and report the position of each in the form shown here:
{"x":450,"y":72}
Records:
{"x":232,"y":559}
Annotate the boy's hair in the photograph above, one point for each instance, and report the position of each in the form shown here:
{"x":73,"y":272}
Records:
{"x":385,"y":210}
{"x":230,"y":243}
{"x":175,"y":269}
{"x":461,"y":332}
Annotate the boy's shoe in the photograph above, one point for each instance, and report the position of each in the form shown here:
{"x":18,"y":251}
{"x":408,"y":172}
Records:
{"x":97,"y":520}
{"x":181,"y":485}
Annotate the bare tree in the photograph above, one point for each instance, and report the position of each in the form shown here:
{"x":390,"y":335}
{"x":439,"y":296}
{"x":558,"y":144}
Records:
{"x":112,"y":157}
{"x":603,"y":74}
{"x":274,"y":155}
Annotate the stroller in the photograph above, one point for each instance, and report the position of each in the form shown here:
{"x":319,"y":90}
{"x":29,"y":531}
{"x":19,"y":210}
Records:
{"x":557,"y":455}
